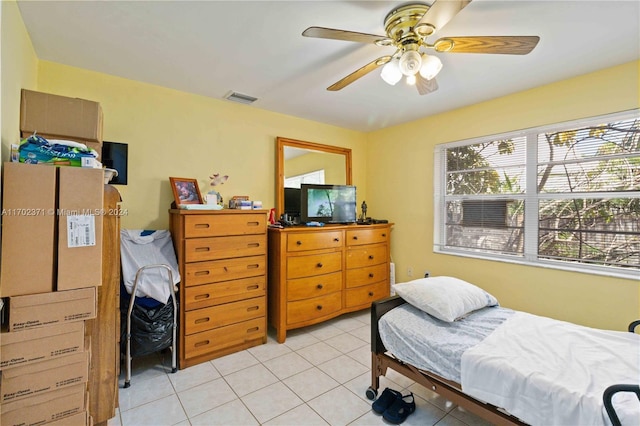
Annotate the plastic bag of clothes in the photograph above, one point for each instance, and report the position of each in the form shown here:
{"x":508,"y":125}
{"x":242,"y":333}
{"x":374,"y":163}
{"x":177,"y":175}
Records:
{"x":151,"y":327}
{"x":38,"y":150}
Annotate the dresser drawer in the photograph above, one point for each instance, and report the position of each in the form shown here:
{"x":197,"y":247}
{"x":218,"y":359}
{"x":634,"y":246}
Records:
{"x":310,"y":309}
{"x":314,"y":241}
{"x":367,"y":256}
{"x":201,"y":296}
{"x":305,"y":288}
{"x":212,"y":248}
{"x":363,"y":296}
{"x":357,"y":237}
{"x":224,"y":337}
{"x":222,"y":270}
{"x":222,"y":315}
{"x":317,"y":264}
{"x":214,"y":225}
{"x":368,"y":275}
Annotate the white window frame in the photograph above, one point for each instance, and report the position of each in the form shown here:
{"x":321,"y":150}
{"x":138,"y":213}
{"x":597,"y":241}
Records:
{"x":530,"y":196}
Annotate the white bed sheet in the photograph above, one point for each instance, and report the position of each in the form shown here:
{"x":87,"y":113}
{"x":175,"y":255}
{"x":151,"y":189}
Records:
{"x":549,"y":372}
{"x":425,"y":342}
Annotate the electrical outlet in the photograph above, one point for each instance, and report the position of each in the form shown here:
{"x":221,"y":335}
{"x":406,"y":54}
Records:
{"x":426,"y":274}
{"x":410,"y":271}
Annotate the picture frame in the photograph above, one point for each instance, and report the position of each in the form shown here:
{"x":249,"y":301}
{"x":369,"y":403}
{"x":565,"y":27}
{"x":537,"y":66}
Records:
{"x":185,"y":191}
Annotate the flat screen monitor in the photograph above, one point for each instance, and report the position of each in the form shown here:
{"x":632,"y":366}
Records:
{"x":328,"y":203}
{"x":115,"y":155}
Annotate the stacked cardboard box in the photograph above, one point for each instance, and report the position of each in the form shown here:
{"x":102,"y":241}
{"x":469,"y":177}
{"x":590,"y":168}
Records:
{"x":50,"y":268}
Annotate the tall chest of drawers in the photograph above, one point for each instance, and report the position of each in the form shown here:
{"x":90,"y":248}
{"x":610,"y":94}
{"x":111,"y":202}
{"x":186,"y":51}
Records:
{"x":319,"y":273}
{"x":222,"y":258}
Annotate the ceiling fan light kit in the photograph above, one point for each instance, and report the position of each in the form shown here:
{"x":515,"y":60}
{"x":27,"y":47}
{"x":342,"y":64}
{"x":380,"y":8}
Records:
{"x":407,"y":28}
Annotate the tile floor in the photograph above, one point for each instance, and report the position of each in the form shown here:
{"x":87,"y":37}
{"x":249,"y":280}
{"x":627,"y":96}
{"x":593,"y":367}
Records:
{"x":319,"y":376}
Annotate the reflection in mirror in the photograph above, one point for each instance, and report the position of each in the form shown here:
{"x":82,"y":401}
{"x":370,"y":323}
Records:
{"x":308,"y":162}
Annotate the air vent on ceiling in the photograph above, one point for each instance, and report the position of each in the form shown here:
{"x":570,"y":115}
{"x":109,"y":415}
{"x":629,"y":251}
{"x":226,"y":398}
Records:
{"x":240,"y":97}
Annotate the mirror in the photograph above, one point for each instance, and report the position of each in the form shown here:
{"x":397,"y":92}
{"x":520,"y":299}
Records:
{"x":294,"y":157}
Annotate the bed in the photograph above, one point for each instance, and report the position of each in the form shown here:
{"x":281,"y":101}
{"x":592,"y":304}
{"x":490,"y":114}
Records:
{"x":505,"y":366}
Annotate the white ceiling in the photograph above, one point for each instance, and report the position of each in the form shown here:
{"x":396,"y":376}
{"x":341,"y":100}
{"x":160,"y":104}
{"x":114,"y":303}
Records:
{"x":256,"y":48}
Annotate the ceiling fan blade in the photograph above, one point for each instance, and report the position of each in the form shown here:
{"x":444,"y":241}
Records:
{"x":425,"y":86}
{"x":510,"y":45}
{"x":438,"y":15}
{"x":330,"y":33}
{"x":359,"y":73}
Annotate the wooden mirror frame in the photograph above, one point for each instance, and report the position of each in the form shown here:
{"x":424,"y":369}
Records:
{"x":281,"y":143}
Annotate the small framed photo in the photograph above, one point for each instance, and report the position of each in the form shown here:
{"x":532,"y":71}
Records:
{"x":185,"y":191}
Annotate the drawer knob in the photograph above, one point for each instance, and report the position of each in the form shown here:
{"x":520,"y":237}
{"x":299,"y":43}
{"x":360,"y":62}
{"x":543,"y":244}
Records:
{"x":355,"y":237}
{"x":371,"y":256}
{"x":319,"y":265}
{"x":319,"y":286}
{"x":370,"y":275}
{"x":370,"y":293}
{"x":319,"y":307}
{"x":384,"y":235}
{"x":299,"y":243}
{"x":336,"y":239}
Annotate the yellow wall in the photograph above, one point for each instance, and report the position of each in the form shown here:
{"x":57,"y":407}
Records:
{"x":172,"y":133}
{"x":403,"y":193}
{"x":19,"y":70}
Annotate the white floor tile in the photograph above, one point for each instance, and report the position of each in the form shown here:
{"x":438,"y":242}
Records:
{"x":301,"y":415}
{"x":145,"y":390}
{"x":234,"y":362}
{"x":342,"y":368}
{"x":250,"y":379}
{"x":193,"y":376}
{"x":324,"y":331}
{"x":270,"y":402}
{"x":232,"y":413}
{"x":206,"y":396}
{"x":287,"y":365}
{"x":163,"y":411}
{"x":269,"y":350}
{"x":310,"y":383}
{"x":339,"y":406}
{"x":345,"y":342}
{"x":298,"y":339}
{"x":318,"y":353}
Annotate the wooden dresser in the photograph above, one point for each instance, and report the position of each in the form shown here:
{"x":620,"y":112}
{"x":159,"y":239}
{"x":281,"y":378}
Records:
{"x":319,"y":273}
{"x":222,"y":258}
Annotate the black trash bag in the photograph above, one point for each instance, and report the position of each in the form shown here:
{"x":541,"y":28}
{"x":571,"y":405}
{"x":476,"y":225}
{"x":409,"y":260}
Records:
{"x":151,"y":328}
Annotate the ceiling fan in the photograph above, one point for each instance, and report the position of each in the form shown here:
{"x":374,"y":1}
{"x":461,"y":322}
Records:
{"x":408,"y":26}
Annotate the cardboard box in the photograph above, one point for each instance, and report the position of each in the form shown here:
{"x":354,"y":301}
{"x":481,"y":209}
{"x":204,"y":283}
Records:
{"x":60,"y":117}
{"x":40,"y":344}
{"x":29,"y":380}
{"x":44,"y":408}
{"x":80,"y":217}
{"x":28,"y":229}
{"x":38,"y":310}
{"x":79,"y":419}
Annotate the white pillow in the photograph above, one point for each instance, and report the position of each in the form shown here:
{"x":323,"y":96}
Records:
{"x":445,"y":298}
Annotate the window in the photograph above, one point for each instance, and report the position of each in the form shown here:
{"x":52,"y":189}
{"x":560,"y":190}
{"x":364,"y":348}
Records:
{"x":316,"y":177}
{"x":566,"y":196}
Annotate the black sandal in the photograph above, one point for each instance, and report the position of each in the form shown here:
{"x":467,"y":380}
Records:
{"x":400,"y":410}
{"x":386,"y":400}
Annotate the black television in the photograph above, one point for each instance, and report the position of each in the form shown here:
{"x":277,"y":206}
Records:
{"x":328,"y":203}
{"x":115,"y":155}
{"x":292,"y":202}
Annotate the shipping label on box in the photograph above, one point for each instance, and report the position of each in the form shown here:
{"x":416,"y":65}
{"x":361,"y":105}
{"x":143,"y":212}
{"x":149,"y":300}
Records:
{"x":28,"y":229}
{"x":45,"y":376}
{"x":40,"y":344}
{"x":38,"y":310}
{"x":80,"y":220}
{"x":45,"y":407}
